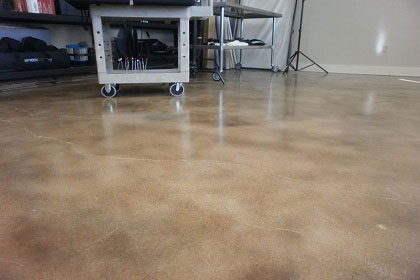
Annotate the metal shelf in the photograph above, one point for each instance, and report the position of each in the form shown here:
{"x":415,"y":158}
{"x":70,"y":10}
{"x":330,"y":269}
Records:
{"x":240,"y":12}
{"x":243,"y":12}
{"x":233,"y":47}
{"x":15,"y":75}
{"x":10,"y":16}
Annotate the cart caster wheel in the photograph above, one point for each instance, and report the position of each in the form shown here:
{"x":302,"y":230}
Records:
{"x":238,"y":66}
{"x":275,"y":68}
{"x":112,"y":92}
{"x":117,"y":87}
{"x":216,"y":77}
{"x":177,"y":89}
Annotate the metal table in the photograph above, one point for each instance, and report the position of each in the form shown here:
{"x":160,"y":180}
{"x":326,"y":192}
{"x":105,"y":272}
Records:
{"x":240,"y":12}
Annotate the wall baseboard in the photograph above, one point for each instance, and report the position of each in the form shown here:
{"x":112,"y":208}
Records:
{"x":366,"y":70}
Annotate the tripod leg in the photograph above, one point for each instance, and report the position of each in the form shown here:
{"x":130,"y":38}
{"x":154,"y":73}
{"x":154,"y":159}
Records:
{"x":314,"y":62}
{"x":290,"y":63}
{"x":289,"y":51}
{"x":286,"y":70}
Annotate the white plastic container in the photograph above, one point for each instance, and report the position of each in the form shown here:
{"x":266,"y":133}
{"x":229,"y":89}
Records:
{"x":77,"y":53}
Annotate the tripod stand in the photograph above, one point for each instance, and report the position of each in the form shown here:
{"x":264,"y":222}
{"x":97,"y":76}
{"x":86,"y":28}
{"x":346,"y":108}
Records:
{"x":297,"y":54}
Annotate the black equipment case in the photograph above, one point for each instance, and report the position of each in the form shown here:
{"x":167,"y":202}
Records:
{"x":30,"y":54}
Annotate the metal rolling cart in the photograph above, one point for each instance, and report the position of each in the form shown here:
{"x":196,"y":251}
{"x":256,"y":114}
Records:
{"x":102,"y":15}
{"x":240,"y":12}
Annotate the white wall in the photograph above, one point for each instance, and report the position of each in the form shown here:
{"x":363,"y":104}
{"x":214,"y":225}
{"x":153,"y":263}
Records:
{"x":62,"y":35}
{"x":363,"y":36}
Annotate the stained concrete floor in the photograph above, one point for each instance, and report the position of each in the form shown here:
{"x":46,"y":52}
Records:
{"x":270,"y":177}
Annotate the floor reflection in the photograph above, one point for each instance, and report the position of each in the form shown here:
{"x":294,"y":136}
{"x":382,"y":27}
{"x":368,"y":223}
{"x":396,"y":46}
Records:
{"x":220,"y":119}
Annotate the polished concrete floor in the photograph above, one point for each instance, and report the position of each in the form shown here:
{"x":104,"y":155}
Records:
{"x":270,"y":177}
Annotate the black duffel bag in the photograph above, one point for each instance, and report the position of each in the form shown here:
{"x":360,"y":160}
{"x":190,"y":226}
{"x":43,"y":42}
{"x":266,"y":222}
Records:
{"x":8,"y":44}
{"x":42,"y":60}
{"x":7,"y":62}
{"x":31,"y":44}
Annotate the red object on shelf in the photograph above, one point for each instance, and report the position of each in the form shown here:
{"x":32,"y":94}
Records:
{"x":32,"y":6}
{"x":35,"y":6}
{"x":20,"y":6}
{"x":46,"y":7}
